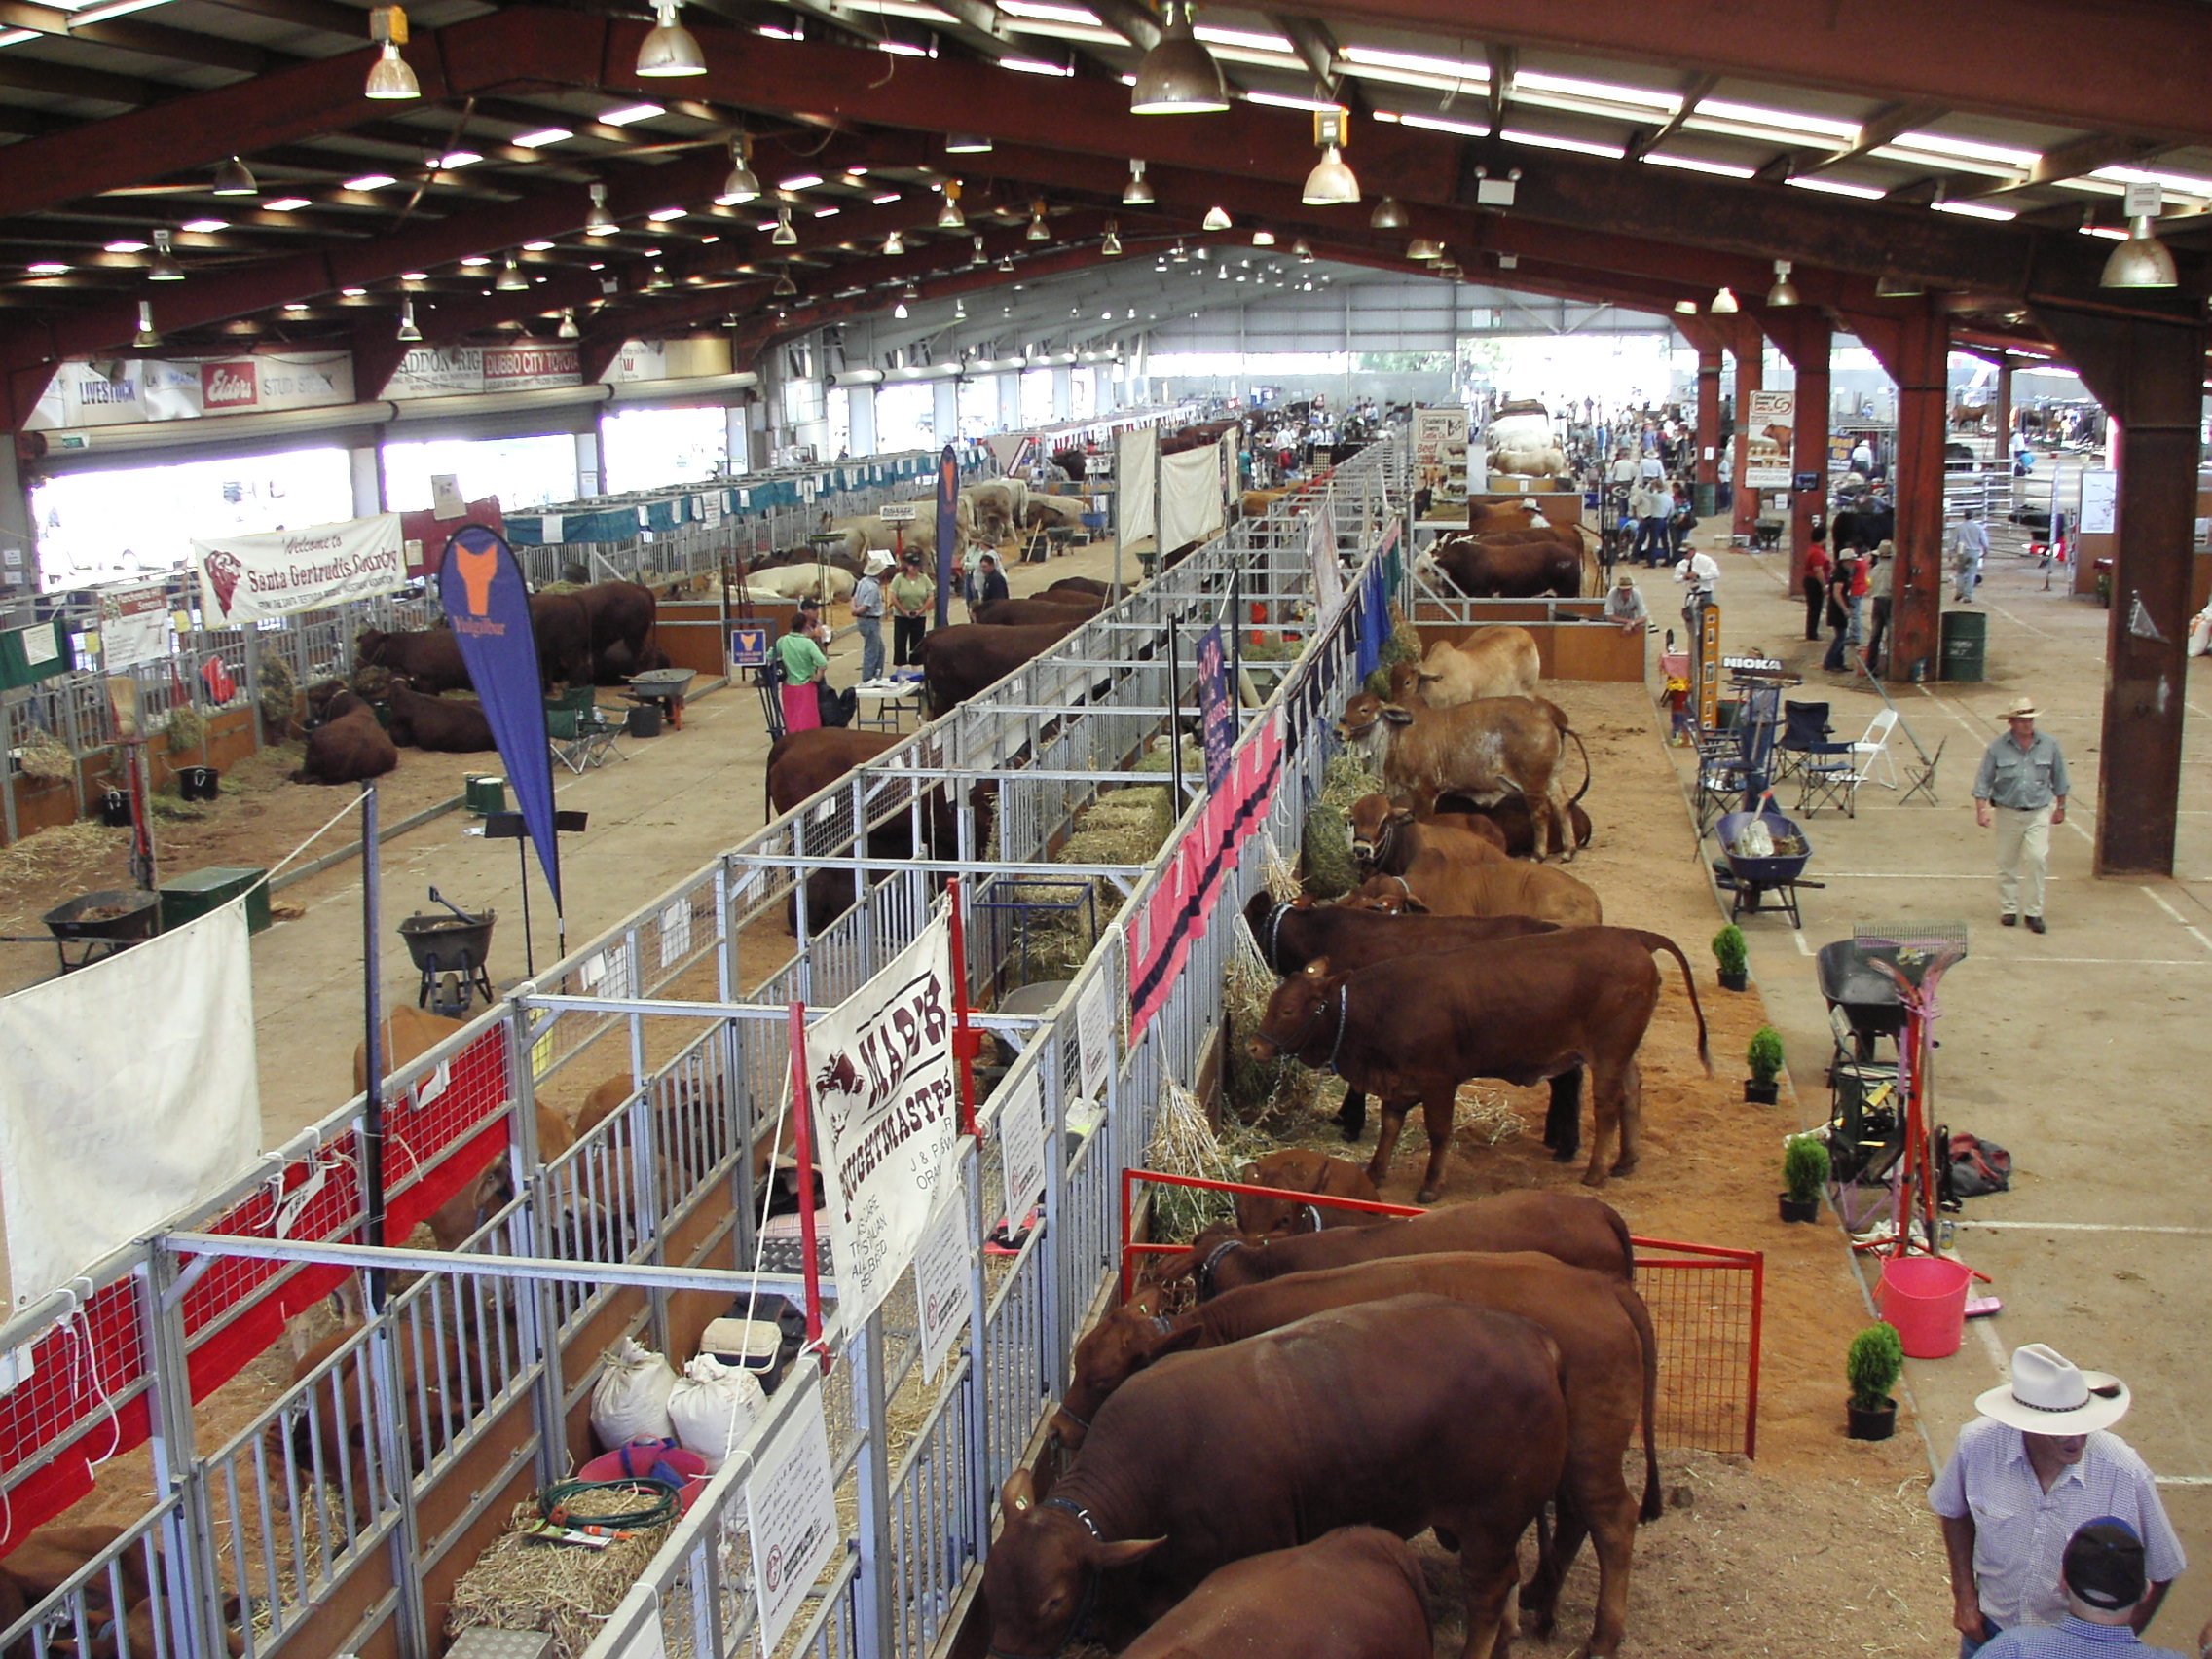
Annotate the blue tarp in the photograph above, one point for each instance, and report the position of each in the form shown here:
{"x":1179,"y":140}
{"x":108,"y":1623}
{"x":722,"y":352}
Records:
{"x":596,"y":521}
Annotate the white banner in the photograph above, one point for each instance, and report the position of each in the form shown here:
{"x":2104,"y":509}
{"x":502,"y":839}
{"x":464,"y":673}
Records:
{"x":243,"y":578}
{"x":108,"y":1126}
{"x":134,"y":626}
{"x":1191,"y":507}
{"x":880,"y":1074}
{"x":1133,"y":453}
{"x":450,"y":371}
{"x":113,"y":392}
{"x":1328,"y":570}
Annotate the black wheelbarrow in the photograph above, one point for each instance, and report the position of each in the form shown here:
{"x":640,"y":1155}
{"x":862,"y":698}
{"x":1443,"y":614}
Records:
{"x":450,"y":952}
{"x":1753,"y":876}
{"x":100,"y":924}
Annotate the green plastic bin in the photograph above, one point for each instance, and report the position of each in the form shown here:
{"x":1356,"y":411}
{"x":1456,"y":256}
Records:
{"x":1966,"y":645}
{"x":187,"y":897}
{"x":485,"y":793}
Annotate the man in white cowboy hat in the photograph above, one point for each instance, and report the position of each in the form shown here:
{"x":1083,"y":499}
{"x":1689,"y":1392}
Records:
{"x":2104,"y":1581}
{"x":2036,"y":1467}
{"x":2022,"y":788}
{"x":868,"y":612}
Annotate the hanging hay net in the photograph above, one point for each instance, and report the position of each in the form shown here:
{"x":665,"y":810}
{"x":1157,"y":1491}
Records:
{"x":567,"y":1591}
{"x":1185,"y":1144}
{"x":1325,"y":846}
{"x":1256,"y":1090}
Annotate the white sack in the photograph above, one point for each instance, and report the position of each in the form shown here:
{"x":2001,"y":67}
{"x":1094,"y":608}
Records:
{"x":714,"y":1408}
{"x":630,"y":1400}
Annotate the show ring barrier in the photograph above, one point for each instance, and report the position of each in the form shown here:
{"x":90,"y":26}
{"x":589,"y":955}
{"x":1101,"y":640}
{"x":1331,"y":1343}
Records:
{"x":1709,"y":1327}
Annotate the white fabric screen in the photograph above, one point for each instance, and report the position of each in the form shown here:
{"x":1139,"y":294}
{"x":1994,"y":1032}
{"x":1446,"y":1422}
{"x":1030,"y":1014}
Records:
{"x":1190,"y":497}
{"x":129,"y":1093}
{"x":1133,"y":453}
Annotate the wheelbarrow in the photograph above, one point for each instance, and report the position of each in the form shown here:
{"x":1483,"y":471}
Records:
{"x":101,"y":923}
{"x":1751,"y":878}
{"x":664,"y":688}
{"x":450,"y":952}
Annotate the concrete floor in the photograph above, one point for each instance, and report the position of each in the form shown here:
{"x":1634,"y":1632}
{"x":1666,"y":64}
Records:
{"x":2072,"y":1048}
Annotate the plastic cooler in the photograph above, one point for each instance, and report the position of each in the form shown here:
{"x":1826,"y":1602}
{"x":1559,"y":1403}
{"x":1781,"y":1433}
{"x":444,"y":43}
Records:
{"x":1924,"y":1297}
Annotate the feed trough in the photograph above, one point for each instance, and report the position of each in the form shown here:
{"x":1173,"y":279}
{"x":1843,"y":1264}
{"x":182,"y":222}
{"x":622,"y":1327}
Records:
{"x":100,"y":924}
{"x":449,"y":951}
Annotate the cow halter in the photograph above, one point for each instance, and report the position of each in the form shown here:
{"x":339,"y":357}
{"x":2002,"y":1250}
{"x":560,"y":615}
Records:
{"x":1271,"y":930}
{"x":1290,"y":1046}
{"x":1384,"y":838}
{"x":1090,"y":1601}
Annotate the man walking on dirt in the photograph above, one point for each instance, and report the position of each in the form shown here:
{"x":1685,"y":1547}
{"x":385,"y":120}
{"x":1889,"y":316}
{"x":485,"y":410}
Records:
{"x":2022,"y":788}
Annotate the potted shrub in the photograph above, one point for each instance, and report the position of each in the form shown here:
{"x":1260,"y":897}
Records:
{"x":1872,"y":1367}
{"x":1735,"y":961}
{"x":1764,"y":1056}
{"x":1804,"y":1172}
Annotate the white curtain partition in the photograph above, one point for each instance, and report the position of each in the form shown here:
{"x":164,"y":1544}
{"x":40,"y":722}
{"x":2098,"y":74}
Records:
{"x":130,"y":1096}
{"x":1190,"y":505}
{"x":1133,"y":458}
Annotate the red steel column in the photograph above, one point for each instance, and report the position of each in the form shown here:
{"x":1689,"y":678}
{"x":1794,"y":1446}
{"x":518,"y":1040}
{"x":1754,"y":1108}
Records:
{"x":1803,"y":335}
{"x":1914,"y":348}
{"x":2004,"y":409}
{"x":1709,"y":419}
{"x":1748,"y":346}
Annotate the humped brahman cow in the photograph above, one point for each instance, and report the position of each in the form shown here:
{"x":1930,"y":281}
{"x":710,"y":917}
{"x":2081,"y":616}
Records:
{"x":1491,"y":662}
{"x":1609,"y":1367}
{"x":1485,"y":750}
{"x":1358,"y":1415}
{"x":1522,"y":1011}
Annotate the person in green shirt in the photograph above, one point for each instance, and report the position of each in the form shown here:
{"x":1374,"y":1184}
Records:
{"x":808,"y":701}
{"x":912,"y":593}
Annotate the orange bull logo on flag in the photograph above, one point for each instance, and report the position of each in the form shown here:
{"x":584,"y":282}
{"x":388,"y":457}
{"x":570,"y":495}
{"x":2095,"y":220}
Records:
{"x":487,"y":604}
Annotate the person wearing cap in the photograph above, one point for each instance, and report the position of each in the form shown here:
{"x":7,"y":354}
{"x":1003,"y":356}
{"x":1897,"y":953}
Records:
{"x":868,"y":612}
{"x":1881,"y":587}
{"x":2102,"y":1574}
{"x":2037,"y":1465}
{"x":2022,"y":788}
{"x":1626,"y":606}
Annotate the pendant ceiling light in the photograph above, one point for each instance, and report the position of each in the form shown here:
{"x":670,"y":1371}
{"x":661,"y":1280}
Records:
{"x":164,"y":268}
{"x":657,"y":283}
{"x":390,"y":77}
{"x":1331,"y":183}
{"x":1784,"y":292}
{"x":568,"y":329}
{"x":1687,"y":308}
{"x":783,"y":236}
{"x":1006,"y":262}
{"x":1180,"y":254}
{"x":407,"y":328}
{"x":1037,"y":231}
{"x":599,"y":222}
{"x":2142,"y":261}
{"x":742,"y":185}
{"x":235,"y":178}
{"x":1112,"y":246}
{"x":1388,"y":215}
{"x":1724,"y":303}
{"x":949,"y":217}
{"x":145,"y":339}
{"x":966,"y":144}
{"x":1303,"y":249}
{"x":959,"y":311}
{"x":1136,"y":193}
{"x":1263,"y":237}
{"x":1178,"y":75}
{"x":894,"y":243}
{"x":976,"y":256}
{"x":785,"y":288}
{"x":1897,"y":288}
{"x":912,"y":291}
{"x":1421,"y":247}
{"x":669,"y":48}
{"x":898,"y":311}
{"x":511,"y":279}
{"x":1217,"y":219}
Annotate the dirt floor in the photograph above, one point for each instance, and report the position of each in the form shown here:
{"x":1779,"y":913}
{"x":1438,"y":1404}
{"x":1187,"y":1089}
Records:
{"x":1821,"y":1546}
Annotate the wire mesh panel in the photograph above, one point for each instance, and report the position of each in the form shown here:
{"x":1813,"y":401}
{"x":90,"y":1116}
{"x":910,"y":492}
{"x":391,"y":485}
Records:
{"x":1706,"y":1305}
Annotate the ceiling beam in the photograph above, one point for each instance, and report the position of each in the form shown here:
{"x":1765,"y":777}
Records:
{"x":1504,"y":59}
{"x":2075,"y":160}
{"x":1699,"y":89}
{"x":155,"y":40}
{"x":19,"y":68}
{"x":1883,"y":127}
{"x":327,"y":16}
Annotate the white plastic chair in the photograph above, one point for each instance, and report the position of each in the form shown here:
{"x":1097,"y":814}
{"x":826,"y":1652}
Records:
{"x":1874,"y":750}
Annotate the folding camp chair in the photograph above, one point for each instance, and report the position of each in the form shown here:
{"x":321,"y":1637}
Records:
{"x":1806,"y":740}
{"x":582,"y":734}
{"x":1830,"y":781}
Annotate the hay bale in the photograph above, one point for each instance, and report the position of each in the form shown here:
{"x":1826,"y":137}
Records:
{"x":186,"y":729}
{"x":1255,"y":1091}
{"x":275,"y":693}
{"x":1184,"y":1143}
{"x":46,"y":756}
{"x":566,"y":1591}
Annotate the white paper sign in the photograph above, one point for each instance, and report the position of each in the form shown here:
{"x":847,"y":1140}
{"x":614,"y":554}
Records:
{"x":791,"y":1507}
{"x":2100,"y":502}
{"x":38,"y":645}
{"x":674,"y":933}
{"x":244,"y":578}
{"x":1095,"y":1033}
{"x":880,"y":1077}
{"x":1021,"y":1149}
{"x":945,"y":1287}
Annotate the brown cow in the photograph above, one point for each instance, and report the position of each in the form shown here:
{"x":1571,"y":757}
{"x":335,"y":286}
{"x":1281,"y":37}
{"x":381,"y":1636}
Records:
{"x":969,"y":657}
{"x":1295,"y":1169}
{"x":622,"y":613}
{"x":617,"y":664}
{"x":1356,"y":1416}
{"x":1032,"y":612}
{"x":803,"y":763}
{"x":446,"y":725}
{"x":1387,"y":840}
{"x":1609,"y":1367}
{"x":1523,"y":563}
{"x":561,"y":625}
{"x":1484,"y":750}
{"x":1489,"y":662}
{"x":347,"y":747}
{"x":1522,"y":1011}
{"x":1510,"y":818}
{"x":429,"y":657}
{"x":1356,"y":1593}
{"x":1090,"y":586}
{"x":1443,"y":883}
{"x":1292,"y":934}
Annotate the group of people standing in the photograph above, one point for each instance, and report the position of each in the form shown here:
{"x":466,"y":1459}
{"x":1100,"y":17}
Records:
{"x":1846,"y":591}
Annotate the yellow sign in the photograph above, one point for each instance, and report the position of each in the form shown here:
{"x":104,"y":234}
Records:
{"x":1708,"y":662}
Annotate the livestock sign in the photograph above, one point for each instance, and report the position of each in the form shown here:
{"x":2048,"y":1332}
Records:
{"x":134,"y":626}
{"x":791,"y":1508}
{"x":246,"y":578}
{"x":880,"y":1074}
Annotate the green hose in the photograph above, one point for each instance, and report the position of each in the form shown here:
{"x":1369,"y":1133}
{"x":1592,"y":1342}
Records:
{"x":553,"y":1503}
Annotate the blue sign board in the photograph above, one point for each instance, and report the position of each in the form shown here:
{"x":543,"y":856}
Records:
{"x":748,"y":644}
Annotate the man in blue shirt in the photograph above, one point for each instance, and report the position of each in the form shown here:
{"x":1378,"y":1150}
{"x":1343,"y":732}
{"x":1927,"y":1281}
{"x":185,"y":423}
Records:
{"x":2021,"y":788}
{"x":2103,"y":1576}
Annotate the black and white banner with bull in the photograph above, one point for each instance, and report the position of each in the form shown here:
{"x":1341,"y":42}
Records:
{"x":881,"y":1080}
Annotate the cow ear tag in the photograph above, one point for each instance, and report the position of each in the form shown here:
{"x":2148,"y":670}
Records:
{"x":1317,"y":968}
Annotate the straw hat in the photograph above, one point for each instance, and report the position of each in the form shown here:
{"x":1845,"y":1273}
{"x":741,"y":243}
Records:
{"x":2019,"y":709}
{"x":2048,"y":1394}
{"x":878,"y":561}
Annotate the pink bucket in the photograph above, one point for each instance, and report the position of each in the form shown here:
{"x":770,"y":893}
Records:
{"x":1924,"y":1297}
